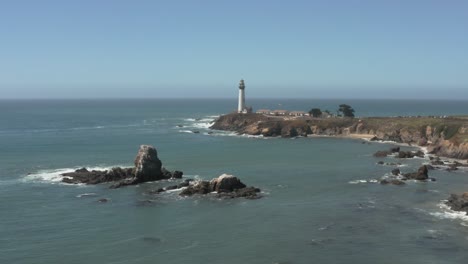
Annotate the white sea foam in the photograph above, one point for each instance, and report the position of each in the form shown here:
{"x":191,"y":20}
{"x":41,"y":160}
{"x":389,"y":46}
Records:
{"x":204,"y":125}
{"x":190,"y":119}
{"x":186,"y":131}
{"x":363,"y":181}
{"x":86,"y":195}
{"x":448,"y":213}
{"x":176,"y":190}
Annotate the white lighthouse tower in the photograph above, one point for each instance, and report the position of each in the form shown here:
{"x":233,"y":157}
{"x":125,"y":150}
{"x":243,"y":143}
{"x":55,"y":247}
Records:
{"x":241,"y":108}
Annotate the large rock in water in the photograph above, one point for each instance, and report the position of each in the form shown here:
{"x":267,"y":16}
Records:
{"x":226,"y":183}
{"x":147,"y":164}
{"x":148,"y":167}
{"x":225,"y":186}
{"x":421,"y":175}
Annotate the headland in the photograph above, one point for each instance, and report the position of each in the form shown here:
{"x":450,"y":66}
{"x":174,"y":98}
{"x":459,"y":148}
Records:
{"x":442,"y":136}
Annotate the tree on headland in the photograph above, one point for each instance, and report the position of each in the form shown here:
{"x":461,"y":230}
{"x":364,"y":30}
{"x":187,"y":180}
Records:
{"x":346,"y":110}
{"x":315,"y":112}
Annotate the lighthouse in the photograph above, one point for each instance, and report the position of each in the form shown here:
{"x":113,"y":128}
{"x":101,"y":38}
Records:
{"x":241,"y":108}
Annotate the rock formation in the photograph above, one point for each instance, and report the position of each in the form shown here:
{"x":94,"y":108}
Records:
{"x":397,"y":179}
{"x":226,"y":186}
{"x":148,"y":167}
{"x":420,"y":175}
{"x":147,"y":164}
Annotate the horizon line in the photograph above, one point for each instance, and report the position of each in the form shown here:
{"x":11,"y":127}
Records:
{"x":225,"y":98}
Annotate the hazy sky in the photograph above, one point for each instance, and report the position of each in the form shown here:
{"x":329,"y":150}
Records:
{"x":201,"y":48}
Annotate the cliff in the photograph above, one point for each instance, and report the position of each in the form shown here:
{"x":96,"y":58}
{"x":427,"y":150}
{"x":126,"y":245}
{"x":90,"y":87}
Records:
{"x":446,"y":137}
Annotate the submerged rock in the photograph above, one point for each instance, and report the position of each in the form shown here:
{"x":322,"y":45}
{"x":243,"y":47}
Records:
{"x":392,"y":181}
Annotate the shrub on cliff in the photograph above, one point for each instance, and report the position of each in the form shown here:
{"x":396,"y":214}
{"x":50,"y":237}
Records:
{"x":315,"y":112}
{"x":346,"y":110}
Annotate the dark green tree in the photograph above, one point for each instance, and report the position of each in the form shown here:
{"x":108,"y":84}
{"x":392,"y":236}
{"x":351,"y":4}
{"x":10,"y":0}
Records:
{"x":315,"y":112}
{"x":346,"y":110}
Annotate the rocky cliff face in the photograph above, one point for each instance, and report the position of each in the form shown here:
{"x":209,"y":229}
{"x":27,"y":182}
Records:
{"x":443,"y":136}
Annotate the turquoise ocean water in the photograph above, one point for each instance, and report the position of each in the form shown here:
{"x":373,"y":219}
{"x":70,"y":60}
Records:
{"x":317,"y":204}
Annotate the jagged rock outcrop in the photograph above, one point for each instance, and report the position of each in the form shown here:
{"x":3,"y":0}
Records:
{"x":147,"y":164}
{"x":397,"y":179}
{"x":420,"y":175}
{"x":94,"y":177}
{"x":226,"y":186}
{"x":148,"y":167}
{"x":458,"y":202}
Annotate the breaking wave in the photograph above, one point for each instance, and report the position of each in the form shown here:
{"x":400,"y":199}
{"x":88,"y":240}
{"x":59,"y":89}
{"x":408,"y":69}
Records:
{"x":448,"y":213}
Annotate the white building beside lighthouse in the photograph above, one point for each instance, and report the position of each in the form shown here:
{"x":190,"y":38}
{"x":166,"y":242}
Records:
{"x":241,"y":107}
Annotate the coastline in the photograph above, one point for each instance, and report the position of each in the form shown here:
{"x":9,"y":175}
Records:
{"x":444,"y":137}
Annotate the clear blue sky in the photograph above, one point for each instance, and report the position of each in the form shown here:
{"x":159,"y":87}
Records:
{"x":316,"y":49}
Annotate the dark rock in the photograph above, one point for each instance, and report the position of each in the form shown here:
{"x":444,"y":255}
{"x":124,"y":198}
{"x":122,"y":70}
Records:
{"x":180,"y":126}
{"x":395,"y":149}
{"x":375,"y":139}
{"x":177,"y":174}
{"x":95,"y":177}
{"x":247,"y":192}
{"x":125,"y":182}
{"x":410,"y":154}
{"x":458,"y":202}
{"x":103,"y":200}
{"x":195,"y":131}
{"x":82,"y":170}
{"x":430,"y":167}
{"x":405,"y":155}
{"x":396,"y":172}
{"x":392,"y":181}
{"x":381,"y":163}
{"x":419,"y":153}
{"x":225,"y":185}
{"x":421,"y":175}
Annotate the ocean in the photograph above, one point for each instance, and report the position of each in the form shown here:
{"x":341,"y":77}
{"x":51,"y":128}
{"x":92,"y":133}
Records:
{"x":320,"y":202}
